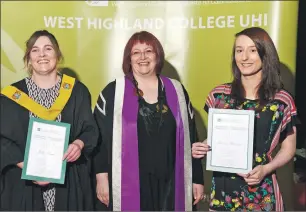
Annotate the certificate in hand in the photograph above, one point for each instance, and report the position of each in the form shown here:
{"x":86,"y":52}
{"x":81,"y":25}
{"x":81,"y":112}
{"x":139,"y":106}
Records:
{"x":230,"y":135}
{"x":47,"y":142}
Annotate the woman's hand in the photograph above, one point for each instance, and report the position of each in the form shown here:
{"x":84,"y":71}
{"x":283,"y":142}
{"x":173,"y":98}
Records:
{"x":198,"y":193}
{"x":102,"y":188}
{"x":74,"y":151}
{"x":20,"y":165}
{"x":256,"y":175}
{"x":200,"y":149}
{"x":243,"y":175}
{"x":41,"y":183}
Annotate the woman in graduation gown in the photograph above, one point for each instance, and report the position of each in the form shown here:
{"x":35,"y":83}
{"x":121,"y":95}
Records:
{"x":256,"y":86}
{"x":147,"y":127}
{"x":58,"y":98}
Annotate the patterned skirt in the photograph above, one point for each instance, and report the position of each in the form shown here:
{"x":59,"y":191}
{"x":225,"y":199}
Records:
{"x":49,"y":197}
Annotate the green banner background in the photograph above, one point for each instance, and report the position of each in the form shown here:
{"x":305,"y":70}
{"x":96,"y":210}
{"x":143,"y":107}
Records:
{"x":197,"y":37}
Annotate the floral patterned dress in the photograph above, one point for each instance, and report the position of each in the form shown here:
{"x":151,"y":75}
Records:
{"x":273,"y":121}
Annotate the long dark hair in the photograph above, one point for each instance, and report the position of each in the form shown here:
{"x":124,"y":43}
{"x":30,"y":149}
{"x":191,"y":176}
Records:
{"x":271,"y":81}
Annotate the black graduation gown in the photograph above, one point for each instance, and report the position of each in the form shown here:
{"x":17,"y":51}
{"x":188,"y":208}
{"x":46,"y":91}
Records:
{"x":76,"y":193}
{"x":150,"y":186}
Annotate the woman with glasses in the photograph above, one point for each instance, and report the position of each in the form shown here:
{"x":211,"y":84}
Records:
{"x":147,"y":127}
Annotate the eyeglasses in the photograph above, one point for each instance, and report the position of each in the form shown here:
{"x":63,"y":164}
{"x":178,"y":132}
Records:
{"x":146,"y":53}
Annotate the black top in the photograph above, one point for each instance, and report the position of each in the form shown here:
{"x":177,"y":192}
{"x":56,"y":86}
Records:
{"x":157,"y":149}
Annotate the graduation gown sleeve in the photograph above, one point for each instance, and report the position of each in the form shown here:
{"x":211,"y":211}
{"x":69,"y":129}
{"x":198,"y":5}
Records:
{"x":103,"y":114}
{"x":87,"y":130}
{"x":15,"y":194}
{"x":197,"y":170}
{"x":11,"y":154}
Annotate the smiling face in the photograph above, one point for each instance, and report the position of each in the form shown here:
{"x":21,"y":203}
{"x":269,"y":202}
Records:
{"x":247,"y":57}
{"x":143,"y":59}
{"x":43,"y":57}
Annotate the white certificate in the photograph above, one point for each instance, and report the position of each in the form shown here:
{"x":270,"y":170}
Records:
{"x":47,"y":142}
{"x":230,"y":135}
